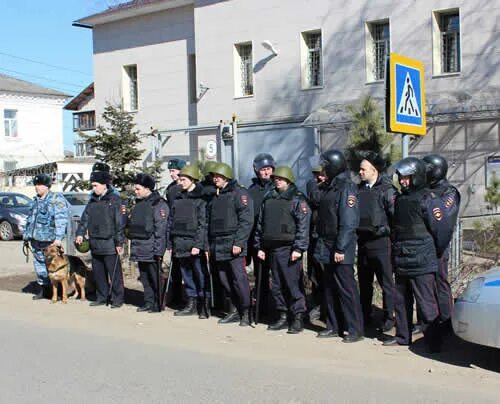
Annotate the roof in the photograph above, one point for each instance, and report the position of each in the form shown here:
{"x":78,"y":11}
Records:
{"x":75,"y":102}
{"x":129,"y":9}
{"x":12,"y":85}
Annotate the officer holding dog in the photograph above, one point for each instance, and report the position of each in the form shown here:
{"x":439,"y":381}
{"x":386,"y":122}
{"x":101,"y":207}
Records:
{"x":230,"y":221}
{"x":282,"y":237}
{"x":103,"y":221}
{"x":45,"y":225}
{"x":147,"y":230}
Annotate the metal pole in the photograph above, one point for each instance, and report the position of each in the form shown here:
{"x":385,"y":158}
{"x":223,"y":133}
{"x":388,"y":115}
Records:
{"x":235,"y":149}
{"x":405,"y":140}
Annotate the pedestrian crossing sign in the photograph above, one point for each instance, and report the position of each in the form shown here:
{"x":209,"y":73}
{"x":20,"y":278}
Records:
{"x":405,"y":103}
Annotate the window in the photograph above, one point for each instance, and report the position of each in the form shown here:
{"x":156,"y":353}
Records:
{"x":446,"y":41}
{"x":83,"y":149}
{"x":378,"y":47}
{"x":84,"y":121}
{"x":130,"y":88}
{"x":312,"y":64}
{"x":10,"y":122}
{"x":243,"y":69}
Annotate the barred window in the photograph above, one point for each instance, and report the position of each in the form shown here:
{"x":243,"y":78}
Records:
{"x":450,"y":42}
{"x":10,"y":122}
{"x":381,"y":48}
{"x":313,"y":59}
{"x":130,"y":88}
{"x":244,"y":69}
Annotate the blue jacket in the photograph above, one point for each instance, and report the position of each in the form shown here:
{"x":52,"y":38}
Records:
{"x":48,"y":218}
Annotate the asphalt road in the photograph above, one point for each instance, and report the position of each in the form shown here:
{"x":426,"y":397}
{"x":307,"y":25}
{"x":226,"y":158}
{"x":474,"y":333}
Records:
{"x":73,"y":353}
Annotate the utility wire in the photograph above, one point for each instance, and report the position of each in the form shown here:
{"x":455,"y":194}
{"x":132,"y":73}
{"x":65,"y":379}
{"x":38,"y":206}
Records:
{"x":45,"y":64}
{"x":43,"y":78}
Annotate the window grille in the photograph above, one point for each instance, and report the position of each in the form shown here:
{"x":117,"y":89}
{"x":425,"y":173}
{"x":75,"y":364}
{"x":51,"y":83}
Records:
{"x":246,"y":69}
{"x":450,"y":43}
{"x":313,"y":69}
{"x":381,"y":48}
{"x":10,"y":122}
{"x":133,"y":100}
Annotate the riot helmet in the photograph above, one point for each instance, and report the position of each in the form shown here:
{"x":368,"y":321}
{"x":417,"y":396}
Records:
{"x":437,"y":168}
{"x":262,"y":160}
{"x":191,"y":172}
{"x":333,"y":162}
{"x":83,"y":247}
{"x":414,"y":168}
{"x":284,"y":172}
{"x":223,"y":169}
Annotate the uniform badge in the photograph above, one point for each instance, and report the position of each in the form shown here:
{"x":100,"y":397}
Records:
{"x":449,"y":202}
{"x":123,"y":209}
{"x":351,"y":201}
{"x":60,"y":205}
{"x":303,"y":207}
{"x":163,"y":213}
{"x":438,"y":215}
{"x":244,"y":200}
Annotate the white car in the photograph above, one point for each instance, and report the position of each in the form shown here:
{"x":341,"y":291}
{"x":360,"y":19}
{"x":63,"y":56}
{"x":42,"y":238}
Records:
{"x":476,"y":316}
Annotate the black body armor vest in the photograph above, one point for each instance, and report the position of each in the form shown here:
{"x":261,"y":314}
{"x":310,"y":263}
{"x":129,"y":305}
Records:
{"x":223,"y":218}
{"x":408,"y":217}
{"x":141,"y":221}
{"x":371,"y":210}
{"x":101,"y":223}
{"x":185,"y":222}
{"x":278,"y":223}
{"x":327,"y":226}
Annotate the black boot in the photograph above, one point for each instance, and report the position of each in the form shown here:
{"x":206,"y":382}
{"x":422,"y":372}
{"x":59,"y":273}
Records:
{"x":297,"y":324}
{"x":279,"y":324}
{"x":232,"y":317}
{"x":44,"y":292}
{"x":203,"y":307}
{"x":245,"y":318}
{"x":189,"y":309}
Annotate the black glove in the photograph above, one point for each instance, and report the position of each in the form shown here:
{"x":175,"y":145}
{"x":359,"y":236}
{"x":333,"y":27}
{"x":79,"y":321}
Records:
{"x":158,"y":258}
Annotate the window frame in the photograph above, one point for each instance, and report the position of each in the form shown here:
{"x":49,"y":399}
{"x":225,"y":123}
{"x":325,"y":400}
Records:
{"x":77,"y":118}
{"x":305,"y":52}
{"x":130,"y":85}
{"x":238,"y":73}
{"x":371,"y":49}
{"x":10,"y":121}
{"x":437,"y":42}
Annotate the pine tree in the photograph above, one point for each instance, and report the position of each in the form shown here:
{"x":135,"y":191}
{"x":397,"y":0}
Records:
{"x":492,"y":196}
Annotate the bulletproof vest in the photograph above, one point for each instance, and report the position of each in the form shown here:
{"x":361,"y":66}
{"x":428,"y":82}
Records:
{"x":278,"y":222}
{"x":223,"y":218}
{"x":327,"y":225}
{"x":101,"y":223}
{"x":141,"y":222}
{"x":257,"y":194}
{"x":185,"y":221}
{"x":371,"y":210}
{"x":408,"y":217}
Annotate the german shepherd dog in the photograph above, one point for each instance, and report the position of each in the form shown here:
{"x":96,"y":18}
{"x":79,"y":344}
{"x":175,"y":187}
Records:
{"x":60,"y":272}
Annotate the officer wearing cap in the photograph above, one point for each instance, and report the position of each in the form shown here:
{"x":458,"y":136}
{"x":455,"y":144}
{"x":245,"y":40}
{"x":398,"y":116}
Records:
{"x":45,"y":225}
{"x":263,"y":167}
{"x":103,"y":220}
{"x":415,"y":236}
{"x":376,"y":207}
{"x":230,"y":221}
{"x":188,"y":241}
{"x":446,"y":198}
{"x":338,"y":219}
{"x":173,"y":189}
{"x":147,"y":230}
{"x":282,"y":236}
{"x":314,"y":187}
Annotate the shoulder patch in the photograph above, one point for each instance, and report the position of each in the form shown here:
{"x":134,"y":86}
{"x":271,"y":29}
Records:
{"x":351,"y":201}
{"x":244,"y":199}
{"x":60,"y":205}
{"x":163,"y":213}
{"x":123,"y":209}
{"x":449,"y":202}
{"x":438,"y":215}
{"x":303,"y":207}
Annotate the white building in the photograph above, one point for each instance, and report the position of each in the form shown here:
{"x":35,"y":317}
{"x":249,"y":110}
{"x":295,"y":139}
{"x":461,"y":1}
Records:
{"x":287,"y":69}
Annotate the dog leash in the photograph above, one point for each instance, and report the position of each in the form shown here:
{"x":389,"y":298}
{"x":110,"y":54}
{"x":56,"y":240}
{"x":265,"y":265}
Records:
{"x":26,"y":250}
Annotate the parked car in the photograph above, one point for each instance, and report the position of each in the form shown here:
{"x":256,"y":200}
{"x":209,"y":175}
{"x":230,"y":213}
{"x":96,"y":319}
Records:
{"x":476,"y":316}
{"x":14,"y":209}
{"x":77,"y":202}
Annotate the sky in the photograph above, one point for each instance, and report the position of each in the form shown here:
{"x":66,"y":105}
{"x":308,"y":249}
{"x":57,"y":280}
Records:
{"x":40,"y":45}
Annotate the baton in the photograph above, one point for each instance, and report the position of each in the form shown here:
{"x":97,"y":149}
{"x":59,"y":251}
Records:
{"x":165,"y":291}
{"x":110,"y":289}
{"x":259,"y":281}
{"x":209,"y":270}
{"x":159,"y":263}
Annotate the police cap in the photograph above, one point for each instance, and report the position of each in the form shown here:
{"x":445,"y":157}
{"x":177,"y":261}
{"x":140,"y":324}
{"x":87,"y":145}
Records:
{"x":176,"y":164}
{"x":42,"y":179}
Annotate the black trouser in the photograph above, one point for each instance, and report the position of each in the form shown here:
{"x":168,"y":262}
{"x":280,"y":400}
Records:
{"x":263,"y":267}
{"x":422,"y":288}
{"x":234,"y":279}
{"x":148,"y":273}
{"x":175,"y":293}
{"x":287,"y":281}
{"x":108,"y":268}
{"x":341,"y":285}
{"x":375,"y":263}
{"x":445,"y":297}
{"x":315,"y":274}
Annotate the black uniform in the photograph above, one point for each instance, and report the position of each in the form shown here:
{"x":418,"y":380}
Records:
{"x":103,"y":219}
{"x":257,"y":191}
{"x":147,"y":230}
{"x":230,"y":222}
{"x":376,"y":207}
{"x":338,"y":219}
{"x":283,"y":227}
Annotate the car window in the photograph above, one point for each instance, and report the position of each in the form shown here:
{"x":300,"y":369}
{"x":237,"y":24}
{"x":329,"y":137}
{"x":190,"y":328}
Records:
{"x":7,"y":201}
{"x":77,"y":199}
{"x":22,"y":201}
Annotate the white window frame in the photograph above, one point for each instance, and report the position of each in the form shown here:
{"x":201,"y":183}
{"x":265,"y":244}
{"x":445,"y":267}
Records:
{"x":239,"y":85}
{"x":10,"y":124}
{"x":305,"y":52}
{"x":370,"y":51}
{"x":437,"y":44}
{"x":130,"y":88}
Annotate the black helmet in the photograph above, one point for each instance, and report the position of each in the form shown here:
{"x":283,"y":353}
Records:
{"x":100,"y":166}
{"x":437,"y":168}
{"x":333,"y":162}
{"x":413,"y":167}
{"x":262,"y":160}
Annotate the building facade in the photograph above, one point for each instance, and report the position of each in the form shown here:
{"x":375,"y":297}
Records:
{"x":286,"y":70}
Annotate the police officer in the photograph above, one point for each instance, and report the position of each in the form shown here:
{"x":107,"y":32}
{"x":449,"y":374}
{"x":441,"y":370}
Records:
{"x":282,"y":236}
{"x":376,"y":207}
{"x":230,"y":222}
{"x":103,"y":220}
{"x":263,"y":167}
{"x":338,"y":219}
{"x":45,"y":225}
{"x":415,"y":236}
{"x":147,"y":230}
{"x":447,"y":198}
{"x":175,"y":294}
{"x":188,"y":242}
{"x":314,"y":188}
